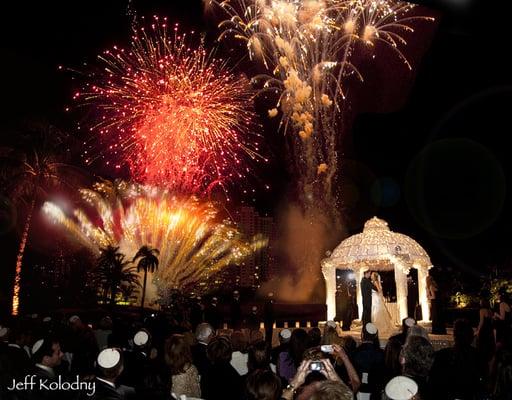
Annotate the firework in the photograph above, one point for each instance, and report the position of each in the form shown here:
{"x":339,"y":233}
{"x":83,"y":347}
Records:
{"x":307,"y":48}
{"x":174,"y":114}
{"x":194,"y":243}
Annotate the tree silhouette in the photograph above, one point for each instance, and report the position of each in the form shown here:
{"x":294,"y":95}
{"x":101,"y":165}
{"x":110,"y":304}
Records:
{"x":148,"y":262}
{"x":27,"y":175}
{"x":112,"y":272}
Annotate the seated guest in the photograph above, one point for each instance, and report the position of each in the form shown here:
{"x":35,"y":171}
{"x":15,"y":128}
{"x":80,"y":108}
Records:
{"x":502,"y":389}
{"x":284,"y":340}
{"x":407,"y":323}
{"x":184,"y":375}
{"x":220,"y":380}
{"x":368,"y":359}
{"x":110,"y":366}
{"x":416,"y":358}
{"x":392,"y":359}
{"x":258,"y":356}
{"x":401,"y":388}
{"x":204,"y":333}
{"x":455,"y":373}
{"x":315,"y":337}
{"x":332,"y":388}
{"x":330,"y":335}
{"x":417,"y":330}
{"x":46,"y":355}
{"x":239,"y":356}
{"x":263,"y":385}
{"x":289,"y":361}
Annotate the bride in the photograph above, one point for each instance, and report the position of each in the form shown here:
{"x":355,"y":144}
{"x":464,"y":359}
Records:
{"x":381,"y":317}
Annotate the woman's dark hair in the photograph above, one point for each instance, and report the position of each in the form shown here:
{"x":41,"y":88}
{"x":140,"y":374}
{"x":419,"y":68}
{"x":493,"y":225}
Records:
{"x":314,"y":376}
{"x":177,"y":354}
{"x":484,"y":303}
{"x":239,"y":341}
{"x":349,"y":345}
{"x":299,"y":342}
{"x":263,"y":385}
{"x":258,"y":356}
{"x":315,"y":337}
{"x":219,"y":350}
{"x":392,"y":357}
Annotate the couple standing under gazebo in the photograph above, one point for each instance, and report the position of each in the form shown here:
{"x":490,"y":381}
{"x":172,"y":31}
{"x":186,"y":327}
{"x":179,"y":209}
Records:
{"x":378,"y":248}
{"x":374,"y":306}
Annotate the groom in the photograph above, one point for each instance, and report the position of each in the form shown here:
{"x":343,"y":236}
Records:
{"x":366,"y":293}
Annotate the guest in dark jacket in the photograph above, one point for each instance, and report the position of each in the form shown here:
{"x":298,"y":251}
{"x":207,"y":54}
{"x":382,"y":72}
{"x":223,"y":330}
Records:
{"x":220,"y":381}
{"x":369,"y":358}
{"x":204,"y":334}
{"x":456,"y":372}
{"x":46,"y":355}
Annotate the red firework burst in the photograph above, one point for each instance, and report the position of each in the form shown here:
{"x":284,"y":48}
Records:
{"x":174,"y":114}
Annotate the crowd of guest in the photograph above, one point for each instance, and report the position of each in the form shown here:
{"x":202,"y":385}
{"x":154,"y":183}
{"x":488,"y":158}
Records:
{"x":158,"y":359}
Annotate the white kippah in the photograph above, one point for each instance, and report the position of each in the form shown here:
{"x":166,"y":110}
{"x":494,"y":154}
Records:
{"x":141,"y":338}
{"x":254,"y":308}
{"x":371,"y":328}
{"x":410,"y":322}
{"x":37,"y":345}
{"x":285,"y":333}
{"x":74,"y":318}
{"x":47,"y":319}
{"x":109,"y":358}
{"x":401,"y":388}
{"x":332,"y":324}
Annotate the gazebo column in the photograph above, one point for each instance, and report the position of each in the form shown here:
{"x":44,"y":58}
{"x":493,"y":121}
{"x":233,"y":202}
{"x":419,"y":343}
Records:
{"x":329,"y":273}
{"x":401,"y":292}
{"x":422,"y":292}
{"x":360,"y":274}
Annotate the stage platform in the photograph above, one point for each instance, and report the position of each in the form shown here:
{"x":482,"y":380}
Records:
{"x":438,"y":341}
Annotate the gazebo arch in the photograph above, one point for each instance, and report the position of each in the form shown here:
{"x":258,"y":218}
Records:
{"x":379,"y":249}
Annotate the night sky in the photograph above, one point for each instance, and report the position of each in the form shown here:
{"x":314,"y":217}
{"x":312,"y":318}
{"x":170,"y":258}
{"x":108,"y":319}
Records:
{"x":425,"y":151}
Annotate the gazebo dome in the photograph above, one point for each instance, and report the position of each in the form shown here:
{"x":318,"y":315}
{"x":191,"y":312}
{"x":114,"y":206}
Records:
{"x":378,"y":248}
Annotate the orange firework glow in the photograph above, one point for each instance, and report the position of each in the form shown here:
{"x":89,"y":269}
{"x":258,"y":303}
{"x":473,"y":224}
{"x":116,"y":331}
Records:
{"x":173,"y":114}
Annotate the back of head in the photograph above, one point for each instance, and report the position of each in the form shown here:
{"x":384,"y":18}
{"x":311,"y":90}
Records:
{"x":462,"y":333}
{"x":204,"y":332}
{"x":263,"y":385}
{"x":258,"y":356}
{"x":239,"y":341}
{"x":331,"y":390}
{"x":42,"y":348}
{"x":110,"y":363}
{"x":370,"y":334}
{"x":219,"y":350}
{"x":315,"y":337}
{"x":177,"y":354}
{"x":417,"y":330}
{"x":298,"y":344}
{"x":417,"y":357}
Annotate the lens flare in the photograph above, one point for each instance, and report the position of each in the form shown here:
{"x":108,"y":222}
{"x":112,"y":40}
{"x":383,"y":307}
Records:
{"x":194,"y":242}
{"x":172,"y":113}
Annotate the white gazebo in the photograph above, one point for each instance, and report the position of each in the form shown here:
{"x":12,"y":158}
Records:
{"x":379,"y":249}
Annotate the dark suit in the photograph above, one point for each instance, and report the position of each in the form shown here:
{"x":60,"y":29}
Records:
{"x":366,"y":293}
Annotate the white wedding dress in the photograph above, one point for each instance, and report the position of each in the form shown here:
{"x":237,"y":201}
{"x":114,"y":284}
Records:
{"x":381,"y":317}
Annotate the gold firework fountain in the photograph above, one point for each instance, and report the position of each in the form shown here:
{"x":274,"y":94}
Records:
{"x":194,"y":242}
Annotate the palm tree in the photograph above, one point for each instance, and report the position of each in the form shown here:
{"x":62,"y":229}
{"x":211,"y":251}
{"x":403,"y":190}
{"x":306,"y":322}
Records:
{"x":112,"y":272}
{"x":27,"y":176}
{"x":148,"y":262}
